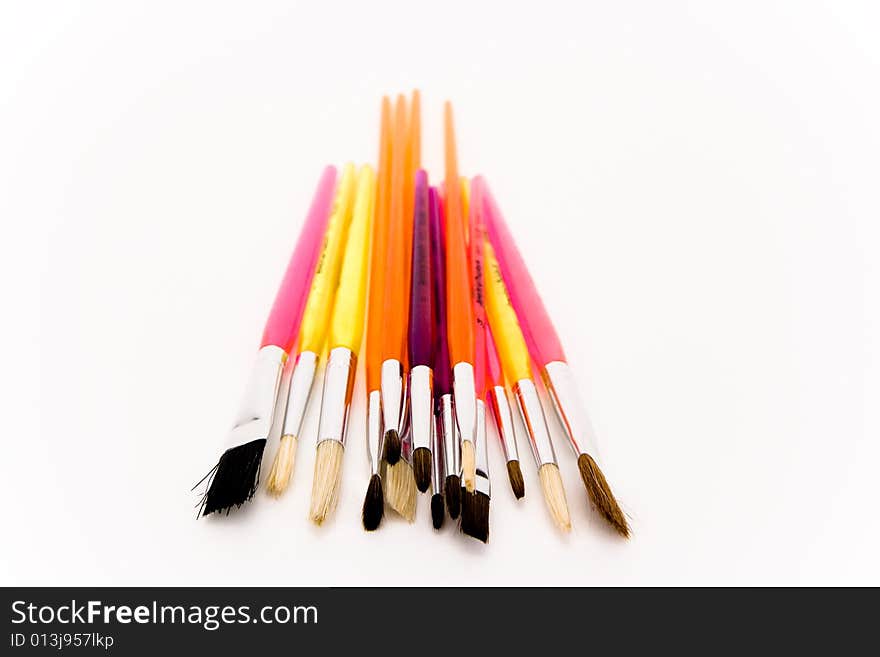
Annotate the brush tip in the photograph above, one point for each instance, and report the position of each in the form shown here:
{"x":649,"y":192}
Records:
{"x":514,"y":474}
{"x":392,"y":447}
{"x":422,"y":468}
{"x":475,"y":515}
{"x":233,"y":481}
{"x":601,"y":496}
{"x":437,"y":510}
{"x":400,"y":489}
{"x":453,"y":496}
{"x":374,"y":504}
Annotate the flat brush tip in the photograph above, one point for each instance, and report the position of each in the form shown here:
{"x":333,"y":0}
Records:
{"x":437,"y":510}
{"x":392,"y":447}
{"x":422,"y":468}
{"x":374,"y":504}
{"x":453,"y":496}
{"x":601,"y":496}
{"x":514,"y":474}
{"x":233,"y":481}
{"x":475,"y":515}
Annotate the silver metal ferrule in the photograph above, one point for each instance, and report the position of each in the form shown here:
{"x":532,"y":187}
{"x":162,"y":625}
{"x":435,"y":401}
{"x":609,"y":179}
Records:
{"x":375,"y":434}
{"x":437,"y":463}
{"x":533,"y":419}
{"x":570,"y":409}
{"x":257,"y":410}
{"x":406,"y":446}
{"x":500,"y":407}
{"x":451,"y":443}
{"x":421,"y":405}
{"x":464,"y":395}
{"x":298,"y":393}
{"x":338,"y":386}
{"x":481,"y":451}
{"x":392,"y":394}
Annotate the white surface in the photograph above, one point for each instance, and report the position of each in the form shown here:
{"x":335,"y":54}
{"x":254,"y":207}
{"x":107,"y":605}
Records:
{"x":694,"y":185}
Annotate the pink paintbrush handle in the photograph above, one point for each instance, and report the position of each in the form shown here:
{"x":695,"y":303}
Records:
{"x":283,"y":323}
{"x":540,"y":335}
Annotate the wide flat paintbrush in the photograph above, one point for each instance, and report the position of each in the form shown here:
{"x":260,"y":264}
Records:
{"x":374,"y":501}
{"x":460,"y":319}
{"x":446,"y":431}
{"x":546,"y":349}
{"x":346,"y":331}
{"x":421,"y":338}
{"x":517,"y":368}
{"x":313,"y":331}
{"x":233,"y":481}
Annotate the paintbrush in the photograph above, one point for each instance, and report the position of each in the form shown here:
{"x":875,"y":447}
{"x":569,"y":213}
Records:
{"x":445,"y":419}
{"x":421,"y":338}
{"x":313,"y":331}
{"x":546,"y":350}
{"x":233,"y":481}
{"x":460,"y":319}
{"x":475,"y":505}
{"x":490,"y":379}
{"x":374,"y":501}
{"x":346,"y":331}
{"x":396,"y":291}
{"x":517,"y":368}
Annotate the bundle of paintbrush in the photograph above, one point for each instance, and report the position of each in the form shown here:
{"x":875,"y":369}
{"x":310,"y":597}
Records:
{"x":453,"y":323}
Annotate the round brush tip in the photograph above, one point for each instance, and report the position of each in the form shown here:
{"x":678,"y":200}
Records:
{"x":453,"y":496}
{"x":374,"y":504}
{"x":601,"y":496}
{"x":422,"y":468}
{"x":514,"y":475}
{"x":392,"y":447}
{"x":437,"y":510}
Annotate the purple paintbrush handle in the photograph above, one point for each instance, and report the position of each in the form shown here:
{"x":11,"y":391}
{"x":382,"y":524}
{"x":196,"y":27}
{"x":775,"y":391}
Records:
{"x":442,"y":368}
{"x":421,"y":294}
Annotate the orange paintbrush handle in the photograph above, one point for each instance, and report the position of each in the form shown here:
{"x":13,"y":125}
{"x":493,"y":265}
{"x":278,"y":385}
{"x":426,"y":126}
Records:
{"x":377,"y":259}
{"x":460,"y":319}
{"x":396,"y":300}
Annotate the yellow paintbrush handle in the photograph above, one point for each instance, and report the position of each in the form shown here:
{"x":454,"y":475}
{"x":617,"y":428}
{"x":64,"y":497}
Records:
{"x":347,"y":326}
{"x":317,"y":313}
{"x":512,"y":350}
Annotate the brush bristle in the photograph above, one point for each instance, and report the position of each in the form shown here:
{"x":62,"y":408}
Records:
{"x":469,"y":465}
{"x":374,"y":504}
{"x":325,"y":485}
{"x":282,"y":466}
{"x":392,"y":447}
{"x":475,"y":515}
{"x":437,"y":511}
{"x":514,"y":474}
{"x":600,"y":494}
{"x":554,"y":495}
{"x":453,"y":496}
{"x":400,"y":489}
{"x":233,"y":481}
{"x":422,"y":468}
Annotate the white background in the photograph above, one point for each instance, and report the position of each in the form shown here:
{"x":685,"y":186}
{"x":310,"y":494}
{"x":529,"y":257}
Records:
{"x":695,"y":187}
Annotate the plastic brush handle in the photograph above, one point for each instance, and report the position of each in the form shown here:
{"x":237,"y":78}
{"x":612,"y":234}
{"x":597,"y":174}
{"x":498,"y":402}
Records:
{"x":421,"y":299}
{"x":442,"y":367}
{"x":395,"y":306}
{"x":287,"y":310}
{"x":347,"y":326}
{"x":509,"y":338}
{"x":313,"y":331}
{"x":540,"y":334}
{"x":460,"y":319}
{"x":494,"y":374}
{"x":377,"y":253}
{"x":472,"y":197}
{"x":413,"y":164}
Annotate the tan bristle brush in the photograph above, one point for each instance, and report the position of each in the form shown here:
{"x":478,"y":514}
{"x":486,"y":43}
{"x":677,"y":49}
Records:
{"x":400,"y":483}
{"x":346,"y":331}
{"x":517,"y":367}
{"x":546,"y":350}
{"x":313,"y":331}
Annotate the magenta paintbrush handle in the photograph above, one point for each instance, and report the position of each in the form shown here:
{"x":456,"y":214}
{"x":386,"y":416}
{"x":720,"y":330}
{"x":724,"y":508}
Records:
{"x":283,"y":323}
{"x":442,"y":373}
{"x":421,"y":299}
{"x":538,"y":330}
